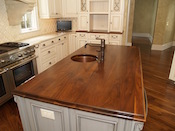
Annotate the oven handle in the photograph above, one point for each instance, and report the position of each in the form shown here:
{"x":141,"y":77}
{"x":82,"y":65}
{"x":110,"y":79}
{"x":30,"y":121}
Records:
{"x":22,"y":63}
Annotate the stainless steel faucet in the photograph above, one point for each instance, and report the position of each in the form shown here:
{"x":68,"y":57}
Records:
{"x":102,"y":46}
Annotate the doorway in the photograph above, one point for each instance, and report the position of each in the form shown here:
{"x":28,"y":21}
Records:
{"x":144,"y":23}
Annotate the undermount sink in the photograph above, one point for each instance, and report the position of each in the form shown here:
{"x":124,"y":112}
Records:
{"x":84,"y":58}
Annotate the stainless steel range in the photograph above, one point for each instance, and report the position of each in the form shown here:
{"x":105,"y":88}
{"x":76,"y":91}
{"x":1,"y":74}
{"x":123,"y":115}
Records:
{"x":17,"y":65}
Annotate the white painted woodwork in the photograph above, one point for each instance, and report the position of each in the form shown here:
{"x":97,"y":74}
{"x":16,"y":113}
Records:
{"x":40,"y":116}
{"x":70,"y":8}
{"x":83,"y":6}
{"x":50,"y":8}
{"x":51,"y":51}
{"x":83,"y":22}
{"x":82,"y":39}
{"x":98,"y":6}
{"x":72,"y":43}
{"x":115,"y":39}
{"x":116,"y":24}
{"x":81,"y":43}
{"x":172,"y":71}
{"x":117,"y":9}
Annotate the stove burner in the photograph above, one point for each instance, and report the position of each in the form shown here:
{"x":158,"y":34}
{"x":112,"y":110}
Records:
{"x":14,"y":44}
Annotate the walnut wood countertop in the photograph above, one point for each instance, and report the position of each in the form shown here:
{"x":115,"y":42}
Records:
{"x":113,"y":88}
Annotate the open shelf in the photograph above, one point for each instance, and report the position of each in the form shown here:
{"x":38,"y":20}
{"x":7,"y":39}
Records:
{"x":99,"y":6}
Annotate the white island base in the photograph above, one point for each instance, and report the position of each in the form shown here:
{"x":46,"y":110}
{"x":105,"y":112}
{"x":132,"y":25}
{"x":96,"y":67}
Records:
{"x":40,"y":116}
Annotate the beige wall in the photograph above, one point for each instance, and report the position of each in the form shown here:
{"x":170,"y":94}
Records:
{"x":12,"y":33}
{"x":144,"y":16}
{"x":164,"y":27}
{"x":131,"y":20}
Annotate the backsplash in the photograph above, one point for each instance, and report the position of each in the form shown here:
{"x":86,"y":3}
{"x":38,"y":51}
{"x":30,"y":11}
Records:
{"x":13,"y":33}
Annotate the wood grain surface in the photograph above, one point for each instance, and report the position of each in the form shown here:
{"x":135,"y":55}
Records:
{"x":114,"y":87}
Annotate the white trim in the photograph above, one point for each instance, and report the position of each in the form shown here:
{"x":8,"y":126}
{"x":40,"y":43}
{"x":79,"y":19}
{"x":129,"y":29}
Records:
{"x":162,"y":47}
{"x":127,"y":26}
{"x":144,"y":35}
{"x":173,"y":43}
{"x":128,"y":44}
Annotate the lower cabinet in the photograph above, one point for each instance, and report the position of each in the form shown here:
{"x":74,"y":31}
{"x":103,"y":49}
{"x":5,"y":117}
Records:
{"x":40,"y":116}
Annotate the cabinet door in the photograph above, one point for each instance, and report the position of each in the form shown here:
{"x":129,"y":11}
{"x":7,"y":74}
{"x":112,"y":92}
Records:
{"x":117,"y":6}
{"x":64,"y":50}
{"x":84,"y":121}
{"x":81,"y":43}
{"x":72,"y":43}
{"x":43,"y":8}
{"x":83,"y":23}
{"x":70,"y":8}
{"x":47,"y":117}
{"x":59,"y":52}
{"x":116,"y":24}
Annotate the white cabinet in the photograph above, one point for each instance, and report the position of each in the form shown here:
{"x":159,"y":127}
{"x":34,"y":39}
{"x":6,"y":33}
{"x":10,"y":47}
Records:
{"x":70,"y":8}
{"x":116,"y":23}
{"x":82,"y":40}
{"x":72,"y":43}
{"x":172,"y":71}
{"x":117,"y":6}
{"x":50,"y":8}
{"x":83,"y":22}
{"x":84,"y":121}
{"x":51,"y":51}
{"x":47,"y":117}
{"x":40,"y":116}
{"x":115,"y":39}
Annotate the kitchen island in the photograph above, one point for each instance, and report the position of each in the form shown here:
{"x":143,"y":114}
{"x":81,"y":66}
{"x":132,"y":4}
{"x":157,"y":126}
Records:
{"x":91,"y":96}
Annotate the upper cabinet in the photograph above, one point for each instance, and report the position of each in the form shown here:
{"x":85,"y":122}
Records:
{"x":101,"y":15}
{"x":83,"y":6}
{"x":50,"y":8}
{"x":70,"y":8}
{"x":117,"y":6}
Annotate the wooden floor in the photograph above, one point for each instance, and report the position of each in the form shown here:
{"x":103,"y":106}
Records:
{"x":160,"y":92}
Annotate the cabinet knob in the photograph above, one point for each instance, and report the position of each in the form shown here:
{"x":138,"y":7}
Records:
{"x":44,"y":44}
{"x":65,"y":37}
{"x":52,"y":41}
{"x":59,"y":39}
{"x":62,"y":43}
{"x":50,"y":63}
{"x":49,"y":52}
{"x":56,"y":13}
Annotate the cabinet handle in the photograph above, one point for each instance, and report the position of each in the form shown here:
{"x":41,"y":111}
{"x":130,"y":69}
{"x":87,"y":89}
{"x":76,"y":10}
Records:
{"x":44,"y":44}
{"x":59,"y":39}
{"x":49,"y":52}
{"x":50,"y":63}
{"x":52,"y":41}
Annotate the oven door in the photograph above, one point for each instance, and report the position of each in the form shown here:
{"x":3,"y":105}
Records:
{"x":4,"y":87}
{"x":22,"y":72}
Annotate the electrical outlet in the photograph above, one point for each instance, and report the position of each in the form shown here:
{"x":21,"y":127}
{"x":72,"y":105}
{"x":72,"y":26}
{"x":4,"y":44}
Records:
{"x":47,"y":114}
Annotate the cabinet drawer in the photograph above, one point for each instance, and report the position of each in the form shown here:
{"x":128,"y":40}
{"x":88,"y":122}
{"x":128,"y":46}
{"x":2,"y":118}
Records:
{"x":48,"y":43}
{"x":82,"y":35}
{"x":94,"y":36}
{"x":49,"y":63}
{"x":62,"y":38}
{"x":115,"y":37}
{"x":48,"y":53}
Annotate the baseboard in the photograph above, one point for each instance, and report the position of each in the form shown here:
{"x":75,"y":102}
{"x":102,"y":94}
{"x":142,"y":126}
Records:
{"x":144,"y":35}
{"x":128,"y":44}
{"x":162,"y":47}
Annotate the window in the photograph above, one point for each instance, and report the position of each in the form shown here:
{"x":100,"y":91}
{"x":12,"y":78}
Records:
{"x":30,"y":21}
